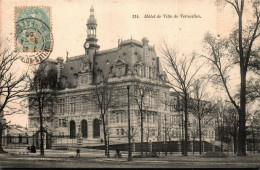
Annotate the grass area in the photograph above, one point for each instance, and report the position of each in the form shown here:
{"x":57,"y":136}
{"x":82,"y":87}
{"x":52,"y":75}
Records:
{"x":66,"y":159}
{"x":59,"y":159}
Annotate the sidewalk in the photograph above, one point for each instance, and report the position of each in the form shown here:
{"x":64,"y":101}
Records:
{"x":68,"y":159}
{"x":57,"y":153}
{"x":51,"y":153}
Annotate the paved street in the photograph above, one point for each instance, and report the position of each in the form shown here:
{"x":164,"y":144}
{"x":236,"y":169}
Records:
{"x":66,"y":159}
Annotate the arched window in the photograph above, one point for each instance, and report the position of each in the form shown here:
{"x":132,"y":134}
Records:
{"x":72,"y":129}
{"x":96,"y":129}
{"x":84,"y":128}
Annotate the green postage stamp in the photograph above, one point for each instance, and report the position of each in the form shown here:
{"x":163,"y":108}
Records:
{"x":33,"y":38}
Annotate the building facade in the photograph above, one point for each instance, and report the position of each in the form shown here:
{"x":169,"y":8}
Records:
{"x":132,"y":63}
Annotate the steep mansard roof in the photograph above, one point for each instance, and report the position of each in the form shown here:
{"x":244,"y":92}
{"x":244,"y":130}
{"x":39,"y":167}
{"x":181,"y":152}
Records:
{"x":130,"y":52}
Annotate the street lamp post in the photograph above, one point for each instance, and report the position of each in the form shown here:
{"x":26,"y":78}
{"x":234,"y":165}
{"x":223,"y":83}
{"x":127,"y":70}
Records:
{"x":108,"y":154}
{"x":129,"y":130}
{"x":165,"y":136}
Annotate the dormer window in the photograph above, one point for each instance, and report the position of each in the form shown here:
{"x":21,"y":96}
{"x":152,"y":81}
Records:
{"x":120,"y":71}
{"x":111,"y":69}
{"x":139,"y":71}
{"x":120,"y":67}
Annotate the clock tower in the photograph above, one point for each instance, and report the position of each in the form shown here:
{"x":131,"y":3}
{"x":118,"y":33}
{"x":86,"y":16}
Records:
{"x":90,"y":44}
{"x":87,"y":74}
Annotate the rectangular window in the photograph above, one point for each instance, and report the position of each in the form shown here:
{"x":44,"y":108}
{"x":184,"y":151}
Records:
{"x":117,"y":117}
{"x":165,"y":98}
{"x":150,"y":72}
{"x":60,"y":106}
{"x":139,"y":71}
{"x":122,"y":117}
{"x":79,"y":107}
{"x":120,"y":71}
{"x":171,"y":106}
{"x":122,"y":131}
{"x":67,"y":104}
{"x":146,"y":71}
{"x":72,"y":105}
{"x":63,"y":106}
{"x":84,"y":104}
{"x":117,"y":132}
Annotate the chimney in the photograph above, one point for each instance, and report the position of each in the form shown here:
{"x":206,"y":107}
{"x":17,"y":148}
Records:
{"x":59,"y":67}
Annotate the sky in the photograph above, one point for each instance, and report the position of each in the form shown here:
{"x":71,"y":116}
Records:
{"x":115,"y":21}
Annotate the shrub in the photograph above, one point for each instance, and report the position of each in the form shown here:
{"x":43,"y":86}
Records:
{"x":149,"y":155}
{"x":214,"y":155}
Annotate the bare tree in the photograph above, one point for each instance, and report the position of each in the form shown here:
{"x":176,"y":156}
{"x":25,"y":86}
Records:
{"x":141,"y":92}
{"x":239,"y":49}
{"x":231,"y":125}
{"x":42,"y":95}
{"x":12,"y":87}
{"x":169,"y":130}
{"x":200,"y":107}
{"x":103,"y":96}
{"x":253,"y":90}
{"x":133,"y":132}
{"x":179,"y":69}
{"x":254,"y":122}
{"x":148,"y":133}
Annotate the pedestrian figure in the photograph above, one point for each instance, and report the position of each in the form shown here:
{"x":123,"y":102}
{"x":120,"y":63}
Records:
{"x":118,"y":154}
{"x":33,"y":149}
{"x":78,"y":152}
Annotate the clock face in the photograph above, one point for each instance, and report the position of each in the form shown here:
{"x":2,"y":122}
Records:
{"x":87,"y":45}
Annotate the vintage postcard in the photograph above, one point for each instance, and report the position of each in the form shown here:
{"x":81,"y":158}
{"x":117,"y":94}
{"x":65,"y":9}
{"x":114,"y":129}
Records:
{"x":129,"y":84}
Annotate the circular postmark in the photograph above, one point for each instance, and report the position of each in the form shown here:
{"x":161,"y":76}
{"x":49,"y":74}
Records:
{"x":33,"y":38}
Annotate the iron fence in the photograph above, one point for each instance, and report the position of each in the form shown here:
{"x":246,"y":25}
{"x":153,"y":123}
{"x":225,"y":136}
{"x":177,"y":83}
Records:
{"x":66,"y":142}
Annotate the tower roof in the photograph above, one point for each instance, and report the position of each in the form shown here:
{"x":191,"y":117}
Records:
{"x":92,"y":20}
{"x":91,"y":9}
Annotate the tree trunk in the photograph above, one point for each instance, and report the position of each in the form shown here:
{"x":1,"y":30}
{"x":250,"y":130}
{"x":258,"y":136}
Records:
{"x":41,"y":135}
{"x":186,"y":124}
{"x":182,"y":134}
{"x":200,"y":147}
{"x":235,"y":144}
{"x":221,"y":145}
{"x":1,"y":138}
{"x":193,"y":146}
{"x":142,"y":132}
{"x":242,"y":118}
{"x":253,"y":133}
{"x":105,"y":135}
{"x":243,"y":70}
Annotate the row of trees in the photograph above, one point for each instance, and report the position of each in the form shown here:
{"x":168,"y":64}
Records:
{"x":240,"y":50}
{"x":10,"y":87}
{"x":39,"y":88}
